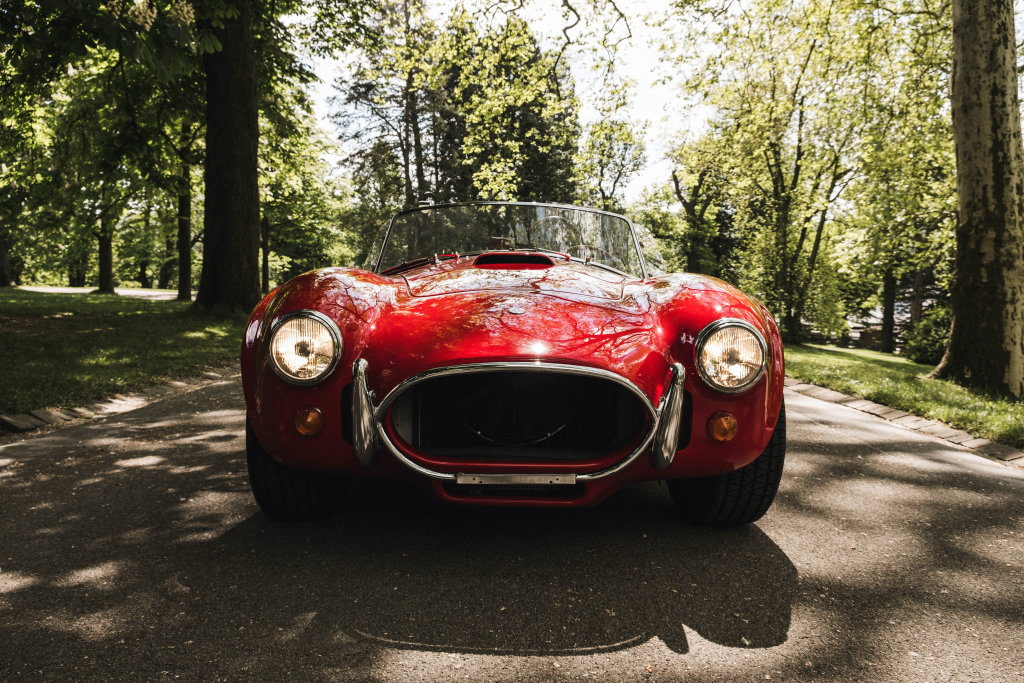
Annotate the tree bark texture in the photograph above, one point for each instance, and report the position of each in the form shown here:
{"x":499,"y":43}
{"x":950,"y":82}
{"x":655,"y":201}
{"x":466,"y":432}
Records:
{"x":231,"y":229}
{"x":986,"y":345}
{"x":167,"y":266}
{"x":105,"y":237}
{"x":6,"y":273}
{"x":265,"y":239}
{"x":185,"y":235}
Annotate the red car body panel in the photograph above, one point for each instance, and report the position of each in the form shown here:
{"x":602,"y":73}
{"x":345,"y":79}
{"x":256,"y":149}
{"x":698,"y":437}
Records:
{"x":457,"y":313}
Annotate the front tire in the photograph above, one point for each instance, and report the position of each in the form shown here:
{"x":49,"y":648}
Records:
{"x":286,"y":493}
{"x":739,"y":497}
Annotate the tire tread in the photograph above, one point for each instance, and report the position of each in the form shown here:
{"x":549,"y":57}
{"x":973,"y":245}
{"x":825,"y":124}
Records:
{"x":738,"y":497}
{"x":286,"y":493}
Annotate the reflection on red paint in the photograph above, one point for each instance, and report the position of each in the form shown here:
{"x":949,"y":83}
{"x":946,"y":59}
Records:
{"x":455,"y":313}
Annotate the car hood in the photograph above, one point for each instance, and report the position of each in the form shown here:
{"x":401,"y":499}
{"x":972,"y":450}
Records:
{"x":454,"y":313}
{"x":571,"y":279}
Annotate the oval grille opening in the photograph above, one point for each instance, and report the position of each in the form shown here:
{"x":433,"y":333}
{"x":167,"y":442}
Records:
{"x":509,"y":415}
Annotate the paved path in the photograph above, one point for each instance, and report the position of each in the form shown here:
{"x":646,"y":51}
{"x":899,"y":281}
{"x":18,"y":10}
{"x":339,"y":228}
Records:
{"x":150,"y":294}
{"x":131,"y":549}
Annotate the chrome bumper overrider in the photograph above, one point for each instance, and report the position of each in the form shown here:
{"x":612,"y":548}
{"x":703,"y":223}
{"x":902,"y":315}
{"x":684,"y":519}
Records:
{"x":663,"y":430}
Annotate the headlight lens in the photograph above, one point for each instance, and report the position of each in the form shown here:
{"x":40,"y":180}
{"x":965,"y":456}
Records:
{"x":304,"y":348}
{"x":730,"y":356}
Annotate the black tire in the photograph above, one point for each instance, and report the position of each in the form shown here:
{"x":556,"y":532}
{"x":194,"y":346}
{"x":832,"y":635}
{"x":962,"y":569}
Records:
{"x":739,"y":497}
{"x":286,"y":493}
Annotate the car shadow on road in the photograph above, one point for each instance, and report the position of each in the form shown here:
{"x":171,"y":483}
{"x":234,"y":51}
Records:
{"x":411,"y":572}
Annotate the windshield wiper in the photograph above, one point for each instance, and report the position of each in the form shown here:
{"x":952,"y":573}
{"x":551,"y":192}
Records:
{"x":412,"y":263}
{"x":421,"y":261}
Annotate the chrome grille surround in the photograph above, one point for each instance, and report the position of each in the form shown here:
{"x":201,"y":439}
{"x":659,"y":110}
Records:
{"x":531,"y":366}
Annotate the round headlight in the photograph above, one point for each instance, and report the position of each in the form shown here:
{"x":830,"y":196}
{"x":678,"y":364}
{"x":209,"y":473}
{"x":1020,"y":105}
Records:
{"x":305,"y":347}
{"x":730,"y":355}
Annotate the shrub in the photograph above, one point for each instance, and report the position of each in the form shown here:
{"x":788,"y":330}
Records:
{"x":927,"y":341}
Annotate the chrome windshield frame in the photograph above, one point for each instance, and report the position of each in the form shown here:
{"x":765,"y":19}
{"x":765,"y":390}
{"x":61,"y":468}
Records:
{"x":553,"y":205}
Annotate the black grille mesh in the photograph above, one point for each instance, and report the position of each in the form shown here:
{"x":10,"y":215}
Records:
{"x":510,"y":415}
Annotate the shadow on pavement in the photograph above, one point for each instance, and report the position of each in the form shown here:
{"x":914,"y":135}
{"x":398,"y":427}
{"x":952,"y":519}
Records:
{"x":411,"y":572}
{"x":132,"y":549}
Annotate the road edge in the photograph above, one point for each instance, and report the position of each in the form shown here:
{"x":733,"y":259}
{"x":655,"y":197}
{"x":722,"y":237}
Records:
{"x":37,"y":422}
{"x":997,"y":452}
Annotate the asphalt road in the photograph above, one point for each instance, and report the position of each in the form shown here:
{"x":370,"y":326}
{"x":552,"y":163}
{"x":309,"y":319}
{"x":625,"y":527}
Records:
{"x":131,"y":549}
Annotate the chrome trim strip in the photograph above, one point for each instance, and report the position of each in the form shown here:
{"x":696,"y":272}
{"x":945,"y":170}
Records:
{"x":332,"y":328}
{"x":364,"y":436}
{"x":713,"y":327}
{"x":494,"y":479}
{"x":527,"y":366}
{"x":663,"y":450}
{"x":382,"y":435}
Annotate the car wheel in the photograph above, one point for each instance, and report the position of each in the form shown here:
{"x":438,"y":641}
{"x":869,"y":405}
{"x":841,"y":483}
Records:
{"x":286,"y":493}
{"x":738,"y":497}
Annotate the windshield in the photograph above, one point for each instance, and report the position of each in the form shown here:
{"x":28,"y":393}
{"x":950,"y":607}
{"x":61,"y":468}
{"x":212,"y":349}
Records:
{"x":470,"y":229}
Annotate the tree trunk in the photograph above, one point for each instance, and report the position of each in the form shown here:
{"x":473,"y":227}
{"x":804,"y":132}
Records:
{"x":231,"y":230}
{"x":76,"y":271}
{"x":888,"y":311}
{"x":986,"y":344}
{"x":144,"y":280}
{"x":185,"y":235}
{"x":167,"y":267}
{"x":417,"y":145}
{"x":265,"y":235}
{"x":106,"y":245}
{"x":6,"y":273}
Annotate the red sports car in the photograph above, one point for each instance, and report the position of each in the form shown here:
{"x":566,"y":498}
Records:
{"x":513,"y":354}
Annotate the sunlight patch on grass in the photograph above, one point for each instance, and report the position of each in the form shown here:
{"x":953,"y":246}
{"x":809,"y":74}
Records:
{"x":66,"y":350}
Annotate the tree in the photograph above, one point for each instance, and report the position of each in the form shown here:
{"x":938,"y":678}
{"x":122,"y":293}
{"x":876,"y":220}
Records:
{"x":900,"y":213}
{"x":38,"y":41}
{"x":302,"y":205}
{"x":699,"y":183}
{"x":986,"y":344}
{"x":465,"y":112}
{"x":613,"y":149}
{"x":230,"y":273}
{"x":784,"y":79}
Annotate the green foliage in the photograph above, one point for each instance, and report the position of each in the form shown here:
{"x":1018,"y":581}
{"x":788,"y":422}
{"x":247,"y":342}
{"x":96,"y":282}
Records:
{"x":459,"y":111}
{"x":829,"y":149}
{"x":612,"y":150}
{"x":926,"y":342}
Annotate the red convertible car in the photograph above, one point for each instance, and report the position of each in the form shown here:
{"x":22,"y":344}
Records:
{"x":513,"y":354}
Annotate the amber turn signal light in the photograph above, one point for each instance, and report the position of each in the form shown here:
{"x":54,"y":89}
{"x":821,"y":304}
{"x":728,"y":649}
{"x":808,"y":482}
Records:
{"x":309,"y":421}
{"x":722,"y":426}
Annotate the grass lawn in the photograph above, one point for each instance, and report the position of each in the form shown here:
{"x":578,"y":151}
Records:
{"x":896,"y":382}
{"x":65,"y":350}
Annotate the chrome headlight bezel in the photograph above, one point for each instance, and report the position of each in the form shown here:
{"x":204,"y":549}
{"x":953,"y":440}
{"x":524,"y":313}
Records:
{"x":716,"y":326}
{"x":332,"y":329}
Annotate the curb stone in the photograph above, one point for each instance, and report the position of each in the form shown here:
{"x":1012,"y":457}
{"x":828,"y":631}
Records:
{"x":997,"y":451}
{"x":118,"y":403}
